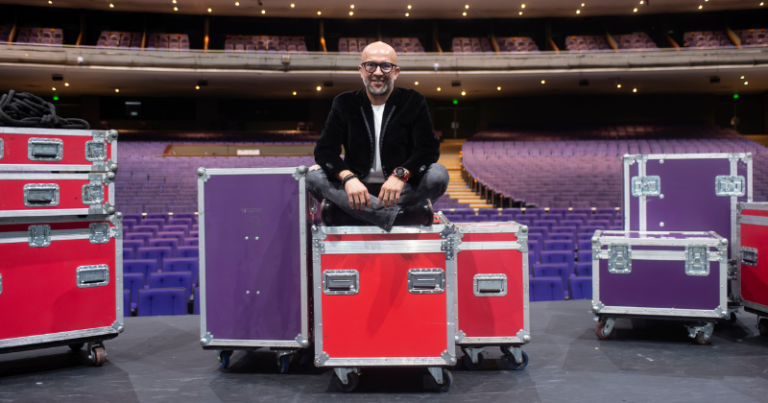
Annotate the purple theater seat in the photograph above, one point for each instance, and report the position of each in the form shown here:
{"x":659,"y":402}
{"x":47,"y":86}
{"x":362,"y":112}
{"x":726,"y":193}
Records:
{"x":608,"y":217}
{"x":197,"y":301}
{"x":142,"y":237}
{"x":195,"y":227}
{"x":191,"y":242}
{"x":565,"y":230}
{"x":581,"y":218}
{"x":161,"y":216}
{"x":188,"y":251}
{"x":531,"y":262}
{"x":129,"y":223}
{"x":191,"y":265}
{"x":193,"y":234}
{"x":562,"y":236}
{"x":535,"y":212}
{"x":581,"y":287}
{"x":572,"y":223}
{"x":181,"y":279}
{"x":133,"y":245}
{"x":558,"y":245}
{"x":476,"y":218}
{"x":152,"y":229}
{"x":602,"y":224}
{"x":605,"y":211}
{"x":585,"y":236}
{"x":546,"y":289}
{"x":135,"y":217}
{"x":585,"y":245}
{"x":181,"y":221}
{"x":464,"y":211}
{"x":133,"y":282}
{"x":584,"y":269}
{"x":488,"y":211}
{"x":143,"y":267}
{"x":156,"y":253}
{"x":191,"y":216}
{"x":585,"y":256}
{"x":545,"y":223}
{"x":534,"y":247}
{"x":589,"y":229}
{"x":561,"y":211}
{"x":511,"y":211}
{"x":522,"y":219}
{"x":162,"y":302}
{"x":159,"y":223}
{"x":502,"y":218}
{"x":615,"y":228}
{"x":172,"y":243}
{"x":455,"y":217}
{"x":177,"y":228}
{"x":127,"y":254}
{"x":174,"y":235}
{"x":587,"y":211}
{"x":553,"y":270}
{"x":558,"y":257}
{"x":126,"y":302}
{"x":543,"y":231}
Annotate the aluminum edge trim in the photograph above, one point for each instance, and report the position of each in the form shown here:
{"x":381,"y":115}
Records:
{"x":383,"y":247}
{"x":451,"y":314}
{"x":44,"y":213}
{"x":641,"y":171}
{"x":754,"y":220}
{"x":341,"y":230}
{"x":711,"y":242}
{"x":595,"y":281}
{"x":491,"y":340}
{"x":723,"y":283}
{"x":659,"y":255}
{"x":490,"y":246}
{"x":760,"y":206}
{"x":734,"y":235}
{"x":627,"y":194}
{"x":54,"y":337}
{"x":631,"y":310}
{"x":303,"y":262}
{"x":252,"y":343}
{"x":17,"y":176}
{"x":693,"y":156}
{"x":119,"y":274}
{"x":318,"y":300}
{"x":526,"y":286}
{"x":201,"y":236}
{"x":46,"y":132}
{"x":250,"y":171}
{"x":41,"y":167}
{"x":56,"y":235}
{"x":385,"y":362}
{"x":755,"y":306}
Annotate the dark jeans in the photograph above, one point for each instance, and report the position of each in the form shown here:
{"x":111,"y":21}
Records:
{"x":433,"y":184}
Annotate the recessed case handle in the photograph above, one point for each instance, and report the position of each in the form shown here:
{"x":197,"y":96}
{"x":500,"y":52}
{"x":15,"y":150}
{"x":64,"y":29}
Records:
{"x":426,"y":281}
{"x":45,"y":149}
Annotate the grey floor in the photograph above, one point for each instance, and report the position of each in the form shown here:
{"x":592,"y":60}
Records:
{"x":159,"y":359}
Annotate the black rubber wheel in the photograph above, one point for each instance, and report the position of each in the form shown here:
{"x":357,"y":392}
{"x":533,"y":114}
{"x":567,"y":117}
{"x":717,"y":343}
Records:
{"x":76,"y":346}
{"x":473,"y":366}
{"x":600,"y":333}
{"x":762,"y":326}
{"x":703,"y":340}
{"x":285,"y":364}
{"x":224,"y":358}
{"x":98,"y":356}
{"x":447,"y":381}
{"x":515,"y":365}
{"x":353,"y":380}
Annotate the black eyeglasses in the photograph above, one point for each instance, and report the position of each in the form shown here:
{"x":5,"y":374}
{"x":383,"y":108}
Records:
{"x":386,"y":67}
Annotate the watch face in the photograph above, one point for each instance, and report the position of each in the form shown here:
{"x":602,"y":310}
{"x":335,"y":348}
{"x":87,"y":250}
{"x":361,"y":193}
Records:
{"x":400,"y":172}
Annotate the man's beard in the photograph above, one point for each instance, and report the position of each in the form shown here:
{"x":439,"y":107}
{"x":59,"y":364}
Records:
{"x":374,"y":91}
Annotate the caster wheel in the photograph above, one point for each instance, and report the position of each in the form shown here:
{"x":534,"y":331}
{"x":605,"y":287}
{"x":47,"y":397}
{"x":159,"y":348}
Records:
{"x":599,"y":331}
{"x":447,"y":381}
{"x":702,"y":339}
{"x":76,"y":346}
{"x":731,"y":319}
{"x":353,"y":380}
{"x":515,"y":365}
{"x":473,"y":366}
{"x":762,"y":326}
{"x":224,"y":358}
{"x":98,"y":356}
{"x":285,"y":363}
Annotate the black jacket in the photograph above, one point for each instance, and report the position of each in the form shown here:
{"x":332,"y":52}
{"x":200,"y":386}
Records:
{"x":407,"y":139}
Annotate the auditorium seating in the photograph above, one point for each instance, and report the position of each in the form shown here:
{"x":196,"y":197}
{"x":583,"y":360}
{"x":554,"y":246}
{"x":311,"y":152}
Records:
{"x":517,"y":44}
{"x":581,"y":43}
{"x":168,"y":42}
{"x":264,"y":44}
{"x":119,"y":40}
{"x":405,"y":45}
{"x":40,"y":36}
{"x":749,"y":37}
{"x":707,"y":40}
{"x":354,"y":45}
{"x":5,"y":33}
{"x":471,"y":45}
{"x":545,"y":289}
{"x":162,"y":302}
{"x":635,"y":42}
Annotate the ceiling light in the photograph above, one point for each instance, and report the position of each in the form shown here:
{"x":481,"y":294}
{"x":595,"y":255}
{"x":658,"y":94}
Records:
{"x":582,"y":4}
{"x":293,"y":5}
{"x":351,"y":13}
{"x":543,"y":81}
{"x":467,"y":6}
{"x":746,"y":82}
{"x":175,"y":9}
{"x":111,"y":5}
{"x":498,"y":88}
{"x":66,"y":84}
{"x":210,"y":11}
{"x":618,"y":85}
{"x":117,"y":89}
{"x":578,"y":11}
{"x":319,"y":13}
{"x":409,"y":6}
{"x":635,"y":10}
{"x":463,"y":93}
{"x":294,"y":92}
{"x":520,"y":13}
{"x":761,"y":3}
{"x":319,"y":88}
{"x":406,"y":14}
{"x":174,"y":1}
{"x":642,"y":2}
{"x":197,"y":87}
{"x":237,"y":4}
{"x":438,"y":88}
{"x":263,"y":11}
{"x":50,"y":2}
{"x":522,"y":6}
{"x":352,"y":6}
{"x":54,"y":88}
{"x":416,"y":83}
{"x":700,"y":7}
{"x":634,"y":89}
{"x":464,"y":14}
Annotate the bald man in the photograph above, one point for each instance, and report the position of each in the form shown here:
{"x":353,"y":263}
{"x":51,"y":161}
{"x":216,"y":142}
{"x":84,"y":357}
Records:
{"x":390,"y":174}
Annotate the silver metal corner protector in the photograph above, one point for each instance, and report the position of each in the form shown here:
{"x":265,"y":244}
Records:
{"x":304,"y":343}
{"x":460,"y":336}
{"x":300,"y":172}
{"x":597,"y":306}
{"x":524,"y":336}
{"x":321,"y":359}
{"x":203,"y":174}
{"x":207,"y":339}
{"x":449,"y":358}
{"x":118,"y":326}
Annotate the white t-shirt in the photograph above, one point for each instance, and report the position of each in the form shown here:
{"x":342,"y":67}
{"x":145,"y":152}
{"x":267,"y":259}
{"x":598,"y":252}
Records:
{"x":377,"y":174}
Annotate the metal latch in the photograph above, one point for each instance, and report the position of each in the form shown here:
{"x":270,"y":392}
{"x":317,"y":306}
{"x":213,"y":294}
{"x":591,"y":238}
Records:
{"x":729,"y":185}
{"x":490,"y":285}
{"x":41,"y":195}
{"x":92,"y":276}
{"x":697,"y":260}
{"x":749,"y":256}
{"x":95,"y":150}
{"x":45,"y":149}
{"x":93,"y":194}
{"x":98,"y":232}
{"x":39,"y":236}
{"x":619,"y":259}
{"x":341,"y":282}
{"x":1,"y":283}
{"x":646,"y":186}
{"x":426,"y":281}
{"x":2,"y":149}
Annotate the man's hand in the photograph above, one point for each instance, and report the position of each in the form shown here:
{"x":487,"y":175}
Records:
{"x":390,"y":192}
{"x":357,"y":194}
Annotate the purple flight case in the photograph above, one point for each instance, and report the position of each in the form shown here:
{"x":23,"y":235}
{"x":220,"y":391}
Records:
{"x":660,"y":274}
{"x":686,"y":192}
{"x":253,"y":259}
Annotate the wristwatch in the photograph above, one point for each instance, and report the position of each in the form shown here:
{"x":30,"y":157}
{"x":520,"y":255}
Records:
{"x":400,"y":173}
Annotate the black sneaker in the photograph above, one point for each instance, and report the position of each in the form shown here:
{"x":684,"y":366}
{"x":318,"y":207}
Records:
{"x":420,"y":214}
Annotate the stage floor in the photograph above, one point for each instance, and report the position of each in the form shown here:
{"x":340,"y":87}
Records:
{"x":159,"y":359}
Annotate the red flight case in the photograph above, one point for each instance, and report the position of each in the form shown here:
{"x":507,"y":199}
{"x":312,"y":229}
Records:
{"x":384,"y":299}
{"x":61,"y":283}
{"x":33,"y":149}
{"x":493,"y":303}
{"x":753,"y":261}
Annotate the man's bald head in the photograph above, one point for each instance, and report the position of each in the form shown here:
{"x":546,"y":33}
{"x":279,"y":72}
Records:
{"x":379,"y":52}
